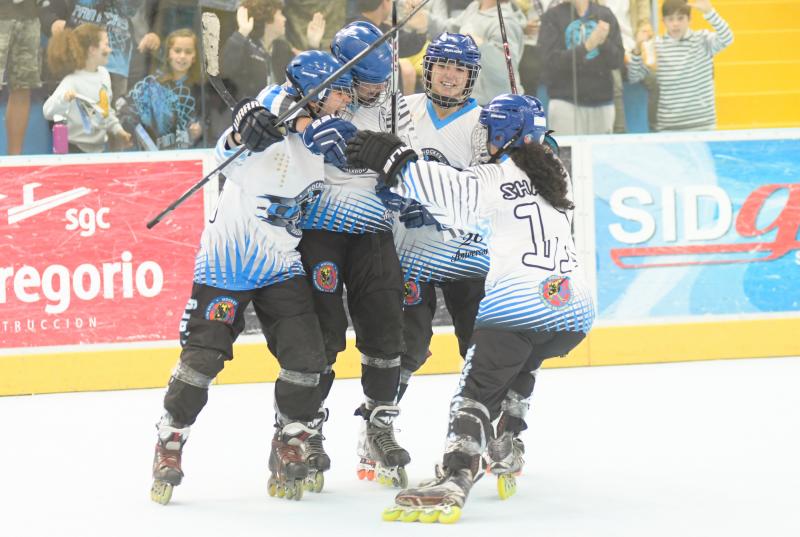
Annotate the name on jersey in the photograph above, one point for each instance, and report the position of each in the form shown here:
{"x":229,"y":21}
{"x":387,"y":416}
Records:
{"x":516,"y":189}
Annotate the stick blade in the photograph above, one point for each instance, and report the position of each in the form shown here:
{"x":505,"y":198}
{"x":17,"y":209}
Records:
{"x":210,"y":25}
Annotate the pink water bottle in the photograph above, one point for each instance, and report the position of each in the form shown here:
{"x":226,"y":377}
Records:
{"x":60,"y":135}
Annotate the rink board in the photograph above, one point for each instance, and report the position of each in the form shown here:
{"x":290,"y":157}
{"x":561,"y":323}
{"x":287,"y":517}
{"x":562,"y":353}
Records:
{"x":691,"y":241}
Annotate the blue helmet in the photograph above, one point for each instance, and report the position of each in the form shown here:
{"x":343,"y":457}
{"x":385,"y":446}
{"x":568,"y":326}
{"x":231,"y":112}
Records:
{"x":375,"y":67}
{"x":309,"y":69}
{"x":513,"y":120}
{"x":457,"y":49}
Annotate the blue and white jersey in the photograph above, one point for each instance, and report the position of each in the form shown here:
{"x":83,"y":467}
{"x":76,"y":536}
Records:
{"x":535,"y":281}
{"x":427,"y":253}
{"x":348,"y":203}
{"x":251,"y":239}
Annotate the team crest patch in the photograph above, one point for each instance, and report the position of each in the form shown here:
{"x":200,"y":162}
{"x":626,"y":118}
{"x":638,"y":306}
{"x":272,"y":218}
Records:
{"x":556,"y":291}
{"x":222,"y":309}
{"x":412,"y":295}
{"x":326,"y":277}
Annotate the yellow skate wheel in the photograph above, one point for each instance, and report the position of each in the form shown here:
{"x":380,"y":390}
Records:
{"x":272,"y":487}
{"x":161,"y":492}
{"x":298,"y":490}
{"x":409,"y":515}
{"x":319,"y":482}
{"x":506,"y":486}
{"x":281,"y":490}
{"x":383,"y":480}
{"x":450,"y":516}
{"x":391,"y":514}
{"x":429,"y":516}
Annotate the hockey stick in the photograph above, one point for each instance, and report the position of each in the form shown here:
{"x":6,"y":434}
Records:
{"x":506,"y":49}
{"x":395,"y":67}
{"x":325,"y":84}
{"x":210,"y":24}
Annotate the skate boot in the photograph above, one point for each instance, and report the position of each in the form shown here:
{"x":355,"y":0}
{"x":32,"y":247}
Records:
{"x":505,"y":454}
{"x":381,"y":457}
{"x":287,"y":465}
{"x":317,"y":459}
{"x":440,"y":500}
{"x":167,"y":472}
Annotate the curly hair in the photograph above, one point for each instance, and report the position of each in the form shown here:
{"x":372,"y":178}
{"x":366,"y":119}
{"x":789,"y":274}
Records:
{"x":262,"y":11}
{"x":547,"y":174}
{"x":68,"y":49}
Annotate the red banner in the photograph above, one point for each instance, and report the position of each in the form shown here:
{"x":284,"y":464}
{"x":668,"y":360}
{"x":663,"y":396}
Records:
{"x":78,"y":265}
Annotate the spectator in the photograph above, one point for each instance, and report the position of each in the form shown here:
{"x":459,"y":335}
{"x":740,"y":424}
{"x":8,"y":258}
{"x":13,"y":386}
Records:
{"x":530,"y":65}
{"x":19,"y":57}
{"x":248,"y":60}
{"x":581,"y":46}
{"x":480,"y":20}
{"x":411,"y":43}
{"x":115,"y":16}
{"x":633,"y":17}
{"x":685,"y":70}
{"x":84,"y":96}
{"x":299,"y":13}
{"x":164,"y":104}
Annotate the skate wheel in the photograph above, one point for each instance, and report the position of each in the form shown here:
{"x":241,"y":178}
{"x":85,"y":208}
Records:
{"x":161,"y":492}
{"x":506,"y":486}
{"x":450,"y":516}
{"x":298,"y":490}
{"x":391,"y":514}
{"x":370,"y":475}
{"x":272,"y":487}
{"x":409,"y":515}
{"x":318,"y":483}
{"x":401,"y":481}
{"x":429,"y":516}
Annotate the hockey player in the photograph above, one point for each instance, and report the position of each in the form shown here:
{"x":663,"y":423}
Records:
{"x":248,"y":254}
{"x":347,"y":242}
{"x":445,"y":118}
{"x":537,"y":304}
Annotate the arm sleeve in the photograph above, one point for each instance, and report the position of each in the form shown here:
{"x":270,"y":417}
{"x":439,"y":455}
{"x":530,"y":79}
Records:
{"x":452,"y":197}
{"x":230,"y":64}
{"x":55,"y":104}
{"x":722,"y":37}
{"x":636,"y":69}
{"x":612,"y":53}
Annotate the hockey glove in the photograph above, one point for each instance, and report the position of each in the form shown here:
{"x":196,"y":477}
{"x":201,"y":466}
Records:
{"x":327,"y":136}
{"x":381,"y":152}
{"x":391,"y":201}
{"x":415,"y":215}
{"x":256,"y":125}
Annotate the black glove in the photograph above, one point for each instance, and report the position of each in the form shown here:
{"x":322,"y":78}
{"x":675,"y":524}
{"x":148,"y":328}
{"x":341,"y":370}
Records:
{"x":381,"y":152}
{"x":415,"y":215}
{"x":256,"y":125}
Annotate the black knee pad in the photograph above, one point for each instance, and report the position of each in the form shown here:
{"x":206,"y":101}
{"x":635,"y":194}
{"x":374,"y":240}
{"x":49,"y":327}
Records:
{"x":297,"y":343}
{"x":184,"y":401}
{"x":380,"y":377}
{"x":297,"y":402}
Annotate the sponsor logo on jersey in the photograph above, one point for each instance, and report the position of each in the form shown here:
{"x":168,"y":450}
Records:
{"x":434,"y":155}
{"x":412,"y":294}
{"x":556,"y":291}
{"x":326,"y":277}
{"x":222,"y":309}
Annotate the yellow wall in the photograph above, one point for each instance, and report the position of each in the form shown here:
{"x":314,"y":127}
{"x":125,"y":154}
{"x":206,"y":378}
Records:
{"x":758,"y":76}
{"x":150,"y":368}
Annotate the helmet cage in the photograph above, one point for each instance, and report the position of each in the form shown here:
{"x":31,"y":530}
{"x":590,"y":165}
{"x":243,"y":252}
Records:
{"x":445,"y":101}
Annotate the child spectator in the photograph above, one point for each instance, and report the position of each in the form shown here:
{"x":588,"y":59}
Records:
{"x":84,"y":96}
{"x":685,"y":66}
{"x":19,"y":57}
{"x":164,"y":104}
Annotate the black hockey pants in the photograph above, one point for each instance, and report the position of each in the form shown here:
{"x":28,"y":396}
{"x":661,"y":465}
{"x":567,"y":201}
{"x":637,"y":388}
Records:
{"x":367,"y":265}
{"x":211,"y":323}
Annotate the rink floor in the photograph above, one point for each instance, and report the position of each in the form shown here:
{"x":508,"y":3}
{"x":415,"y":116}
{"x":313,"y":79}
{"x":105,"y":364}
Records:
{"x":689,"y":449}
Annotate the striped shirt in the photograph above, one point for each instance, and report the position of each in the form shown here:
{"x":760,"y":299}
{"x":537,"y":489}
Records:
{"x":685,"y":74}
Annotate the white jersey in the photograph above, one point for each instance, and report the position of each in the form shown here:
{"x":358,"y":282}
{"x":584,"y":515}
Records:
{"x":251,"y":240}
{"x":535,"y":281}
{"x":427,"y":253}
{"x":348,"y":203}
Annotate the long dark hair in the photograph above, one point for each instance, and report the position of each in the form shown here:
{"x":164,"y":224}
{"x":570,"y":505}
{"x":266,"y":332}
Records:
{"x":547,"y":174}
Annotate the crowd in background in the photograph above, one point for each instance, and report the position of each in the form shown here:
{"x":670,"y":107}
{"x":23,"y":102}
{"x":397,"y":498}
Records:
{"x":127,"y":74}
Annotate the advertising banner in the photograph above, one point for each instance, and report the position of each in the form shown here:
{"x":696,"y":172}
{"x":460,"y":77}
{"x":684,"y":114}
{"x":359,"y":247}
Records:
{"x":78,"y":265}
{"x":687,"y":228}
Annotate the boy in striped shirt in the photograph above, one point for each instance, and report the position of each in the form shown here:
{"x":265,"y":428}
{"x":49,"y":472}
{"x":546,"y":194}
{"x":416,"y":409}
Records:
{"x":685,"y":71}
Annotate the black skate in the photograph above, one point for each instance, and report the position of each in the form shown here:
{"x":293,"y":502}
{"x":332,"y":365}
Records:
{"x":440,"y":500}
{"x":287,"y":465}
{"x":381,"y":457}
{"x":505,"y":459}
{"x":167,"y":472}
{"x":317,"y":459}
